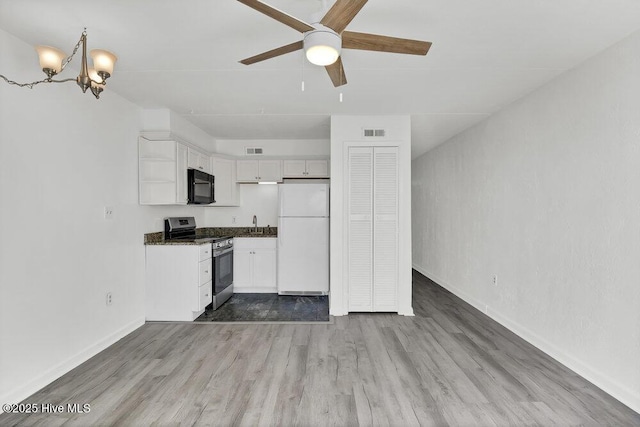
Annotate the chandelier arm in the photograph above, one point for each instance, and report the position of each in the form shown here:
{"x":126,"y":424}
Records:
{"x":29,"y":85}
{"x":61,"y":81}
{"x":32,"y":84}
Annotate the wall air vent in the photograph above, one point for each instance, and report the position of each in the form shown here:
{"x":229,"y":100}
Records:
{"x":253,"y":150}
{"x":374,"y":132}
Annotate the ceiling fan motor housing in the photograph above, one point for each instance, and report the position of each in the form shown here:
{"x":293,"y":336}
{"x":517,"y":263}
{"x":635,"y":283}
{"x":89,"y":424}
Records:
{"x":322,"y":45}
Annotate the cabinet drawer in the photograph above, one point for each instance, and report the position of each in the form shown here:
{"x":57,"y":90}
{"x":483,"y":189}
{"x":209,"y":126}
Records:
{"x":205,"y":271}
{"x":206,"y":296}
{"x":205,"y":252}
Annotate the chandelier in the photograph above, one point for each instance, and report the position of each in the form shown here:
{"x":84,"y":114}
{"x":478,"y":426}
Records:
{"x":53,"y":61}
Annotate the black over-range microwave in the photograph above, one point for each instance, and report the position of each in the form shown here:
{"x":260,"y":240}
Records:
{"x":201,"y":187}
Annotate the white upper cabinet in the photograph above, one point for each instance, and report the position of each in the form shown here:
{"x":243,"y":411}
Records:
{"x":317,"y":168}
{"x":306,"y":168}
{"x":226,"y":187}
{"x":162,"y":172}
{"x":270,"y":170}
{"x":294,"y":168}
{"x":199,"y":161}
{"x":259,"y":170}
{"x":247,"y":170}
{"x":182,"y":196}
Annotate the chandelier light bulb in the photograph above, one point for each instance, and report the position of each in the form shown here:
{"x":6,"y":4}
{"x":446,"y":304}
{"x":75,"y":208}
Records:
{"x":50,"y":59}
{"x":103,"y":62}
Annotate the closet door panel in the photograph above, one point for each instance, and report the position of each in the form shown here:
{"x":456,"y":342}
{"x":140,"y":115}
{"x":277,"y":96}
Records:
{"x":360,"y":234}
{"x":360,"y":272}
{"x":385,"y":229}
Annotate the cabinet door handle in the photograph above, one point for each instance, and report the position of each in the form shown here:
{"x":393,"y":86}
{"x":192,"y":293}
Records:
{"x":206,"y":271}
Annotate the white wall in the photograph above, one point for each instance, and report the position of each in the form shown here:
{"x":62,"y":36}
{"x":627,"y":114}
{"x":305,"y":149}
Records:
{"x":347,"y":131}
{"x":284,"y":148}
{"x":255,"y":199}
{"x":64,"y":156}
{"x":546,"y":194}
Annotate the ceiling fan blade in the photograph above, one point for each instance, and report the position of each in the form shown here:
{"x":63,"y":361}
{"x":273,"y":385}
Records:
{"x":273,"y":53}
{"x":336,"y":72}
{"x":341,"y":13}
{"x":364,"y":41}
{"x":279,"y":16}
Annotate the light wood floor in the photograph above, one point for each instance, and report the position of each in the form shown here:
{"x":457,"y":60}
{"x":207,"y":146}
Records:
{"x":448,"y":365}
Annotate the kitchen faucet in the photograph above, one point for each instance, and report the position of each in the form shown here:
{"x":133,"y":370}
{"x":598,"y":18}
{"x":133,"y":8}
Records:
{"x":255,"y":223}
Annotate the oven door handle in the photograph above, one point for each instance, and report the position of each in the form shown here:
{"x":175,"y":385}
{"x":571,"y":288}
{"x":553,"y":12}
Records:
{"x":222,"y":252}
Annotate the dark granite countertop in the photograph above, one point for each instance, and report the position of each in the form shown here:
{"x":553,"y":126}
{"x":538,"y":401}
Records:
{"x":205,"y":233}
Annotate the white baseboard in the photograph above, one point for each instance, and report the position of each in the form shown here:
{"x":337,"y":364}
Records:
{"x":624,"y":394}
{"x":37,"y":383}
{"x":408,"y":312}
{"x":459,"y":293}
{"x":620,"y":392}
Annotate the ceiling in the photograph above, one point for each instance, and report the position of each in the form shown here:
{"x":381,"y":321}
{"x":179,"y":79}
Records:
{"x":184,"y":55}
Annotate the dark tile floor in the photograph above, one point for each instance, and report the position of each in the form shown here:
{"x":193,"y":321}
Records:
{"x":269,"y":308}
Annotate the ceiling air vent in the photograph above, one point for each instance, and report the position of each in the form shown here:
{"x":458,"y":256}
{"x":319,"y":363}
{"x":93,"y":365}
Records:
{"x":374,"y":132}
{"x":253,"y":150}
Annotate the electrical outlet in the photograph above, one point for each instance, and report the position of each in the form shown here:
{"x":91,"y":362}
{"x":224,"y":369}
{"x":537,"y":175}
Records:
{"x":233,"y":220}
{"x":495,"y":280}
{"x":109,"y":298}
{"x":108,"y":213}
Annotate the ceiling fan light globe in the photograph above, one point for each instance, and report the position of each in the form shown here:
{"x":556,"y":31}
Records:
{"x":322,"y":55}
{"x":322,"y":47}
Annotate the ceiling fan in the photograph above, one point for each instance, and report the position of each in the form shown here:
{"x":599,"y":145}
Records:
{"x":323,"y":41}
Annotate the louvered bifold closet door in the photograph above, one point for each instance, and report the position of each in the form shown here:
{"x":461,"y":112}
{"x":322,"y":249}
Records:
{"x":385,"y":229}
{"x":360,"y":234}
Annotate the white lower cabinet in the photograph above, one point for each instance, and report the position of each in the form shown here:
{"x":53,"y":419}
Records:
{"x":178,"y":281}
{"x":254,"y":265}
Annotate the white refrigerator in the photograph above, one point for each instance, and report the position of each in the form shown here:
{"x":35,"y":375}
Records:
{"x":303,"y":239}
